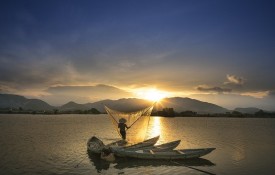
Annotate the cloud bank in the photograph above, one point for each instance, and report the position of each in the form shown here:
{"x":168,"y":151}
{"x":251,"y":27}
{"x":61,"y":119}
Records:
{"x":213,"y":89}
{"x":233,"y":79}
{"x":83,"y":94}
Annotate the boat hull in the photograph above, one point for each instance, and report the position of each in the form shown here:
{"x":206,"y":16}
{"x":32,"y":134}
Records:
{"x":157,"y":148}
{"x":167,"y":155}
{"x":95,"y":145}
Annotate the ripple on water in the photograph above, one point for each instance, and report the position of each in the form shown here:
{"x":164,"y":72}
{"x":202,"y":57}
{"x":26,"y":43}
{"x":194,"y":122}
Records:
{"x":56,"y":144}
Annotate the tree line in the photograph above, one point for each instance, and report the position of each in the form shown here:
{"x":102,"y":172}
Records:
{"x":165,"y":112}
{"x":169,"y":112}
{"x":53,"y":111}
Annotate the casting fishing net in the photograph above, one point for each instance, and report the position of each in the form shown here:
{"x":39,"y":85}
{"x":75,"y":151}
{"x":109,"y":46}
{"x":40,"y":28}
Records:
{"x":138,"y":122}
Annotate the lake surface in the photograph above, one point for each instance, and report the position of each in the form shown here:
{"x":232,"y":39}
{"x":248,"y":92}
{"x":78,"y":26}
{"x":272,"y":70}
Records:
{"x":56,"y":144}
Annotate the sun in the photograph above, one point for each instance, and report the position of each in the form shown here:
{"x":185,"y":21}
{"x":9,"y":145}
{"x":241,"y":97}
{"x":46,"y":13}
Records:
{"x":151,"y":94}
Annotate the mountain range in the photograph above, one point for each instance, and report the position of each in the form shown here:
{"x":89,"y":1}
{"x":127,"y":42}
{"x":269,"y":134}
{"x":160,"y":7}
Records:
{"x":179,"y":104}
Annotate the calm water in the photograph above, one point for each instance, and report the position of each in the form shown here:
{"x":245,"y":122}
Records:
{"x":41,"y":144}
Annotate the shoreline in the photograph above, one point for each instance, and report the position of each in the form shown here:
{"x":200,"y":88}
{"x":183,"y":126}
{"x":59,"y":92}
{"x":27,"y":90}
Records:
{"x":198,"y":116}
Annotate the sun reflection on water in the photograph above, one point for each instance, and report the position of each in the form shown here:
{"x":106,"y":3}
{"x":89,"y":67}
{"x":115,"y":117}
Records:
{"x":154,"y":127}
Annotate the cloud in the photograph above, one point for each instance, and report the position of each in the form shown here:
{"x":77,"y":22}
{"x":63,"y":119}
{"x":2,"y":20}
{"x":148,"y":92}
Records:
{"x":6,"y":89}
{"x":232,"y":101}
{"x":233,"y":79}
{"x":22,"y":72}
{"x":272,"y":93}
{"x":83,"y":94}
{"x":259,"y":94}
{"x":213,"y":89}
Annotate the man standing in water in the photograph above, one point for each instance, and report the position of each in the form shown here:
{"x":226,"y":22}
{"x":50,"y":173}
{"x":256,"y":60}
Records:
{"x":122,"y":128}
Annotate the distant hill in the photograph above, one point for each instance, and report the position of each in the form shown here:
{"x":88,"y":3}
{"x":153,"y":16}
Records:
{"x":247,"y":110}
{"x":131,"y":104}
{"x":187,"y":104}
{"x":9,"y":100}
{"x":126,"y":105}
{"x":71,"y":106}
{"x":179,"y":104}
{"x":16,"y":101}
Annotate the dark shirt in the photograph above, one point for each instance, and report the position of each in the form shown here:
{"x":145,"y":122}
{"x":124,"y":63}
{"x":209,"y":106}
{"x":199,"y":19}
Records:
{"x":122,"y":126}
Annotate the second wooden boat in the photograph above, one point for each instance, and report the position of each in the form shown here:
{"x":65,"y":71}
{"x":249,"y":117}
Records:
{"x":168,"y":155}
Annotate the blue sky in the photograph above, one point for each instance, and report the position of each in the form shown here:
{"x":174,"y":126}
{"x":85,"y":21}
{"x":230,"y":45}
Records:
{"x":216,"y":51}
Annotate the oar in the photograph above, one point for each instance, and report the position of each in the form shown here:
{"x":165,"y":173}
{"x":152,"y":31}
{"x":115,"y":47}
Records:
{"x":79,"y":162}
{"x":206,"y":172}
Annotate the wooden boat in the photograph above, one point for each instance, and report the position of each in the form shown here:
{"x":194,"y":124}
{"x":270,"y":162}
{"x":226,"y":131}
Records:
{"x":146,"y":143}
{"x":95,"y":145}
{"x":157,"y":148}
{"x":168,"y":155}
{"x":122,"y":163}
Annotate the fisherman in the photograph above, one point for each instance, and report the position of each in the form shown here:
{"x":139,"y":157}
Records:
{"x":122,"y":127}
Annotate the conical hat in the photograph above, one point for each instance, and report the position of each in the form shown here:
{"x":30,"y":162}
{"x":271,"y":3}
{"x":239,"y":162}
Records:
{"x":122,"y":120}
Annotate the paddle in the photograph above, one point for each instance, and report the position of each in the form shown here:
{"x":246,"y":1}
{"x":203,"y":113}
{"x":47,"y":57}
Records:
{"x":193,"y":168}
{"x":79,"y":162}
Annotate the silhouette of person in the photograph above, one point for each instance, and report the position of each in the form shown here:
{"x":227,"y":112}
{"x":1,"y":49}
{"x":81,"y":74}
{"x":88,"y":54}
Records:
{"x":122,"y":128}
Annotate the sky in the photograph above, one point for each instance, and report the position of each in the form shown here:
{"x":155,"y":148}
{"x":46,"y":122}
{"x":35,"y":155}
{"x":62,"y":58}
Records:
{"x":221,"y":52}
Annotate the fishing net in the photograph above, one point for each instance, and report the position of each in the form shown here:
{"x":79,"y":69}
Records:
{"x":137,"y":121}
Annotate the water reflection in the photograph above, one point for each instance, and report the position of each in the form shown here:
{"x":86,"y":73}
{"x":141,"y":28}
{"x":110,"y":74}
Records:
{"x":154,"y":128}
{"x":132,"y":163}
{"x":99,"y":163}
{"x":239,"y":153}
{"x":122,"y":163}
